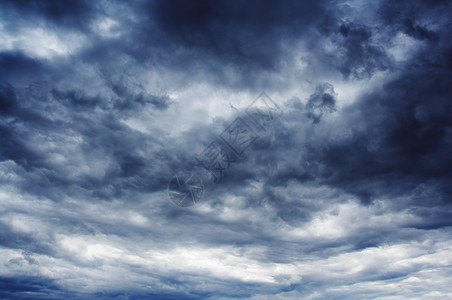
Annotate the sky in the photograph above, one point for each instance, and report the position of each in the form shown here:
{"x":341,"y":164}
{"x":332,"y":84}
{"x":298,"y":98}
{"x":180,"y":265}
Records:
{"x":317,"y":136}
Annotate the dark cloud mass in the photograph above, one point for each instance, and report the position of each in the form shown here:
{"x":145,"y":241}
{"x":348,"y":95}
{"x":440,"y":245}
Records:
{"x":344,"y":194}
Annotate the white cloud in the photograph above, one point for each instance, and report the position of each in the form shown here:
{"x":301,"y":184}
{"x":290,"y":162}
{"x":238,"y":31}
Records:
{"x":42,"y":42}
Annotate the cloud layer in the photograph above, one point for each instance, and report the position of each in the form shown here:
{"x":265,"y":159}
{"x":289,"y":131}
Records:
{"x":346,"y":194}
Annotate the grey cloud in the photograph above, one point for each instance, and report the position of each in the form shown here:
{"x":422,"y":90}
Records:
{"x":71,"y":14}
{"x":322,"y":101}
{"x":332,"y":180}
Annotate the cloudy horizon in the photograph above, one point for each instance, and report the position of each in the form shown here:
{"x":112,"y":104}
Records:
{"x":342,"y":192}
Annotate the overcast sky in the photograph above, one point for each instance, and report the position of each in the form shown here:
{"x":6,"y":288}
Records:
{"x":346,"y":193}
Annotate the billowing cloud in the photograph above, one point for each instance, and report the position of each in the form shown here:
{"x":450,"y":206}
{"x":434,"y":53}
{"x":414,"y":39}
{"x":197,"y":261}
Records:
{"x":343,"y":191}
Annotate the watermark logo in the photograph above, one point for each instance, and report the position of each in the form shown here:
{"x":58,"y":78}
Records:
{"x":186,"y":189}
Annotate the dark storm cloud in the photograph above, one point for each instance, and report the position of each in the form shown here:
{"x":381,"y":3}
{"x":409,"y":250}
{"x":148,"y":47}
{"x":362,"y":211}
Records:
{"x":353,"y":46}
{"x":71,"y":14}
{"x":408,"y":126}
{"x":357,"y":56}
{"x":237,"y":32}
{"x":104,"y":138}
{"x":407,"y":135}
{"x":322,"y":101}
{"x":69,"y":139}
{"x":202,"y":38}
{"x":413,"y":18}
{"x":17,"y":67}
{"x":26,"y":242}
{"x":132,"y":97}
{"x":7,"y":98}
{"x":400,"y":140}
{"x":400,"y":135}
{"x":13,"y":146}
{"x":211,"y":40}
{"x":31,"y":288}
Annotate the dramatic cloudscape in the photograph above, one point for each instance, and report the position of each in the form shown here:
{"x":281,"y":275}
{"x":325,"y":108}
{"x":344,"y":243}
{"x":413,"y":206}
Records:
{"x":317,"y":134}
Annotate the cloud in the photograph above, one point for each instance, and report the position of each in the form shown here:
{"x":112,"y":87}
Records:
{"x":322,"y":101}
{"x":73,"y":14}
{"x":345,"y":194}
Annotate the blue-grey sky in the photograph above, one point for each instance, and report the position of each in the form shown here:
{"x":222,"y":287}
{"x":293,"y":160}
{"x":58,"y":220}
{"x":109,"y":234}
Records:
{"x":345,"y":195}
